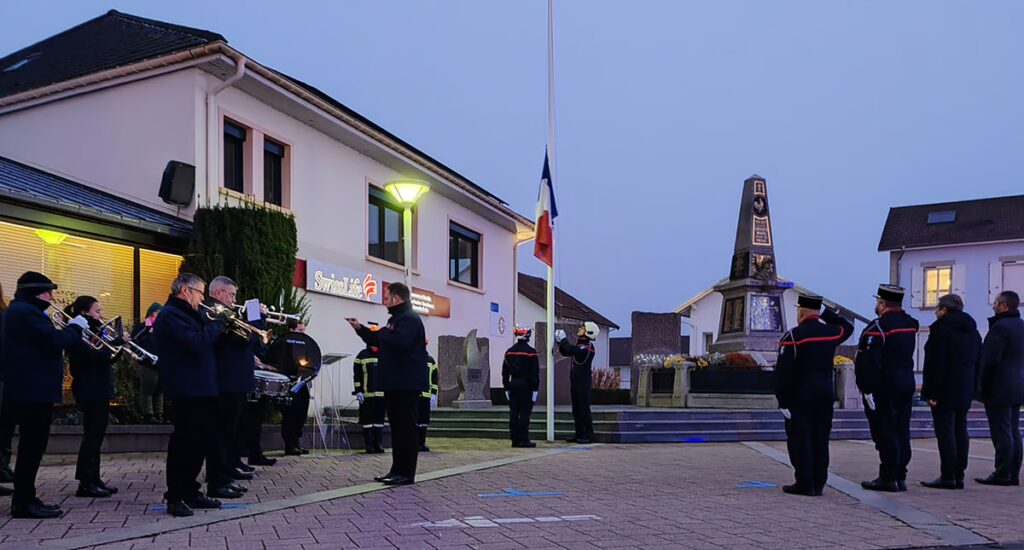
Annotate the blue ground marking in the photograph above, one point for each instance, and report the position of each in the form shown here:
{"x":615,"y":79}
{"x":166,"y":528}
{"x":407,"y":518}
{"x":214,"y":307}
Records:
{"x":751,"y":484}
{"x":694,"y":440}
{"x":518,"y":493}
{"x":163,"y":507}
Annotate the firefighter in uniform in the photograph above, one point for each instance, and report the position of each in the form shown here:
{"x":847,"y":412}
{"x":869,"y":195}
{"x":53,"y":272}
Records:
{"x":428,"y":399}
{"x":520,"y":375}
{"x":805,"y":389}
{"x":370,"y":397}
{"x":885,"y":376}
{"x":580,"y":377}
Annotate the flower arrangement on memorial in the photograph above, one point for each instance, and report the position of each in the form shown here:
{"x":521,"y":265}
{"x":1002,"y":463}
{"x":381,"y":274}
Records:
{"x":740,"y":361}
{"x":841,"y":360}
{"x":651,"y":360}
{"x":674,"y":361}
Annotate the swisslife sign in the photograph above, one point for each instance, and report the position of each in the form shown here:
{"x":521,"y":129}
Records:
{"x":343,"y":282}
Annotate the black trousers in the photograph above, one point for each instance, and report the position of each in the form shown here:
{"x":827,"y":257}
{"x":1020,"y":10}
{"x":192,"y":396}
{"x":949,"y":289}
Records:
{"x":402,"y":413}
{"x":1004,"y":427}
{"x":95,"y":415}
{"x":423,"y":412}
{"x":7,"y":423}
{"x":293,"y":418}
{"x":193,"y":440}
{"x":580,"y":392}
{"x":252,"y":427}
{"x":520,"y":405}
{"x":33,"y":421}
{"x":807,"y":436}
{"x":954,"y":443}
{"x":890,"y":429}
{"x":371,"y":412}
{"x":228,"y":420}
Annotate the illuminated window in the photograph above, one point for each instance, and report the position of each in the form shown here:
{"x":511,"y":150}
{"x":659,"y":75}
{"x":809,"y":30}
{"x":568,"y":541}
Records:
{"x":938,"y":281}
{"x":156,"y":271}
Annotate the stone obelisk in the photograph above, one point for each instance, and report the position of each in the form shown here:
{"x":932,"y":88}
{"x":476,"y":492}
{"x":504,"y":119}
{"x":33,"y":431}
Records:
{"x":752,"y":317}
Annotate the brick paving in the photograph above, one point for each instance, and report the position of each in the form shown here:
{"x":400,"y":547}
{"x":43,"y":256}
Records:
{"x":611,"y":496}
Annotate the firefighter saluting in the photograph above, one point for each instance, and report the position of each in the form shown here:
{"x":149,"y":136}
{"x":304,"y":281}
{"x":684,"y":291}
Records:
{"x":520,"y":375}
{"x":580,"y":377}
{"x":371,"y":399}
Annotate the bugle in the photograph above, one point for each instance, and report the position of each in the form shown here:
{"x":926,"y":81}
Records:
{"x":113,"y":329}
{"x":234,"y":323}
{"x":91,"y":339}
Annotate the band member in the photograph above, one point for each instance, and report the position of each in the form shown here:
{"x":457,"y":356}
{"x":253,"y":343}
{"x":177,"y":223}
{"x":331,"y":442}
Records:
{"x":580,"y":378}
{"x":33,"y":355}
{"x":151,"y":395}
{"x":520,"y":375}
{"x":295,"y":413}
{"x":184,"y":338}
{"x":92,"y":384}
{"x":403,"y":369}
{"x":236,"y":361}
{"x":427,"y":400}
{"x":885,"y":375}
{"x":6,"y":419}
{"x":805,"y":389}
{"x":366,"y":386}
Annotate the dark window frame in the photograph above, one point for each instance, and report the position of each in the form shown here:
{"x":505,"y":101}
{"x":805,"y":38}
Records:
{"x":273,"y":169}
{"x":458,"y":234}
{"x":380,"y":199}
{"x":234,"y":138}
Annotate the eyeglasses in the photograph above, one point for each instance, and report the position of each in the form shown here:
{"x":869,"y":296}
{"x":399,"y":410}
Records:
{"x":194,"y":289}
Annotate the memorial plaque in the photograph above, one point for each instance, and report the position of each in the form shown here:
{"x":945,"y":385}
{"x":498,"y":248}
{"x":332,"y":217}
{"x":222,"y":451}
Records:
{"x":765,"y":313}
{"x":732,"y":320}
{"x":740,"y":266}
{"x":762,"y":234}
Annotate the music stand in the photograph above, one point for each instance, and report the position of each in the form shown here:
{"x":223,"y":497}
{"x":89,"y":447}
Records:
{"x":333,"y":378}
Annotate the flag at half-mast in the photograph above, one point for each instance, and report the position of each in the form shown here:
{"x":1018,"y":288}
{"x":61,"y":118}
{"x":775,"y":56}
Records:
{"x":544,"y":242}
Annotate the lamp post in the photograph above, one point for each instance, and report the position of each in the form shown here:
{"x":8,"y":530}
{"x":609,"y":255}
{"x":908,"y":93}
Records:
{"x":407,"y":192}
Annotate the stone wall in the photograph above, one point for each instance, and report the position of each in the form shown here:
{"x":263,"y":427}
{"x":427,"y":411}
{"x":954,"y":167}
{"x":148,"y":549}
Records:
{"x":653,"y":333}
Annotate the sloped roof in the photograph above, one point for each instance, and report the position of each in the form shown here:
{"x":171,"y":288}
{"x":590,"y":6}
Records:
{"x":566,"y":306}
{"x":40,"y":188}
{"x":973,"y":221}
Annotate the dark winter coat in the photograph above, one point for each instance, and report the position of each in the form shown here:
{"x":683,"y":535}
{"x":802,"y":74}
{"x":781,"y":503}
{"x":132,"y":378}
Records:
{"x":183,"y":338}
{"x":1001,"y":370}
{"x":403,"y":350}
{"x":521,"y":368}
{"x":950,"y":360}
{"x":885,"y":356}
{"x":34,"y":352}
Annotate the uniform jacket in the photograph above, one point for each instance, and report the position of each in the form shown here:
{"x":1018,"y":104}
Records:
{"x":236,"y":359}
{"x":34,"y":352}
{"x":1001,"y":371}
{"x":885,"y":356}
{"x":432,"y":376}
{"x":92,"y":377}
{"x":950,"y":360}
{"x":804,"y":371}
{"x":366,"y":373}
{"x":183,"y":338}
{"x":582,"y":354}
{"x":521,"y":368}
{"x":403,"y":350}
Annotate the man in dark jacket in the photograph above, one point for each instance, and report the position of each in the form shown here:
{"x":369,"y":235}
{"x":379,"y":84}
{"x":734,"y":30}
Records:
{"x":520,"y":376}
{"x":184,"y":338}
{"x":366,"y":388}
{"x":950,"y":358}
{"x":885,"y":376}
{"x":805,"y":389}
{"x":34,"y":356}
{"x":580,"y":378}
{"x":403,"y":376}
{"x":1001,"y":387}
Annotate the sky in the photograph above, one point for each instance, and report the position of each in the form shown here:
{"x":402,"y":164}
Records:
{"x":663,"y":108}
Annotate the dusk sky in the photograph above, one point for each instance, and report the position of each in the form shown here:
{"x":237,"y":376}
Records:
{"x":663,"y":109}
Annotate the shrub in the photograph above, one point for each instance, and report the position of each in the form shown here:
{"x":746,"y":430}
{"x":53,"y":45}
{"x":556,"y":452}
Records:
{"x":606,"y":379}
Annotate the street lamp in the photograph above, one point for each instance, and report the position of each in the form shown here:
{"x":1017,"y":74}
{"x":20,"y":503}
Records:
{"x":407,"y":192}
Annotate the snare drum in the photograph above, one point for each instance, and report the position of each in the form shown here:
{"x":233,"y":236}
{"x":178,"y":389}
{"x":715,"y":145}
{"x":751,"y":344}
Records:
{"x":272,"y":385}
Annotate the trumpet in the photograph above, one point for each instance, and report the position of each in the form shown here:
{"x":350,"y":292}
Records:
{"x":91,"y":339}
{"x":234,"y":323}
{"x":114,"y":329}
{"x":279,"y":317}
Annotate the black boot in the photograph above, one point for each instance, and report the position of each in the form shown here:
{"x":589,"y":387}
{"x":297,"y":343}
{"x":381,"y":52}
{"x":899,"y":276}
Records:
{"x":369,"y":444}
{"x":378,"y":439}
{"x":423,"y":440}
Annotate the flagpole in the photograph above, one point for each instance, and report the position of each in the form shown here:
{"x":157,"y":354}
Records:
{"x":550,"y":358}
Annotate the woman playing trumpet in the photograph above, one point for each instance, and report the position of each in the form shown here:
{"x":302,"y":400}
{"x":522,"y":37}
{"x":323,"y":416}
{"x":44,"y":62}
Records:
{"x":92,"y":385}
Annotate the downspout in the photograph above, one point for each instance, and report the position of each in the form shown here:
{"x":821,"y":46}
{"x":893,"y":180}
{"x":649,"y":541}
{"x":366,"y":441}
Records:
{"x":211,"y":124}
{"x":899,"y":264}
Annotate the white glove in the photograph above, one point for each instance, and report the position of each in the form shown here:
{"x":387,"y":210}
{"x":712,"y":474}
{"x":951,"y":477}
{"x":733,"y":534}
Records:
{"x":80,"y":322}
{"x":433,"y":400}
{"x":360,"y":397}
{"x":508,"y":396}
{"x":559,"y":335}
{"x":534,"y":396}
{"x":870,"y":400}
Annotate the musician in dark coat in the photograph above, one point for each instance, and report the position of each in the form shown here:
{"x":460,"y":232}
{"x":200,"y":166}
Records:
{"x":805,"y":389}
{"x":151,"y":393}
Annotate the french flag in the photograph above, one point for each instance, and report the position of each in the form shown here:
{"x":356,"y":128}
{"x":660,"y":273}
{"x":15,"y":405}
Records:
{"x":544,"y":242}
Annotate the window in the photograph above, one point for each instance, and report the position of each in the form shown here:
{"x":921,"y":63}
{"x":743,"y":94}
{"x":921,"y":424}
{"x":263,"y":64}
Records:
{"x":273,"y":161}
{"x":234,"y":157}
{"x":941,"y":216}
{"x":385,"y":231}
{"x":463,"y":255}
{"x":709,"y":338}
{"x":937,"y":282}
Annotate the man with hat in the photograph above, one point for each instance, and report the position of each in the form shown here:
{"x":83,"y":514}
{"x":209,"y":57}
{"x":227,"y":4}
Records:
{"x":885,"y":376}
{"x":34,"y":357}
{"x":520,"y":375}
{"x":805,"y":389}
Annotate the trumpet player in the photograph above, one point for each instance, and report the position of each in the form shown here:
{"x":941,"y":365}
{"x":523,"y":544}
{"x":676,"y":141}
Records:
{"x":33,"y":355}
{"x":151,"y":394}
{"x":92,"y":384}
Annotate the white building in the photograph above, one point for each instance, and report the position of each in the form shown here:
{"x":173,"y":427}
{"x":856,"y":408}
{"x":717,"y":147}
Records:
{"x":90,"y":118}
{"x":971,"y":248}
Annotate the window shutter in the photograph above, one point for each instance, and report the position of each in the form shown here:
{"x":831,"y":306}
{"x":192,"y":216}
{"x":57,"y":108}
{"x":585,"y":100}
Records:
{"x":995,"y":280}
{"x":916,"y":287}
{"x":960,"y":281}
